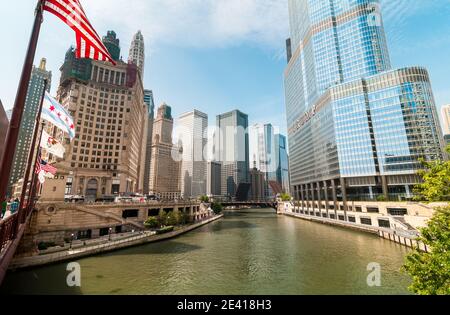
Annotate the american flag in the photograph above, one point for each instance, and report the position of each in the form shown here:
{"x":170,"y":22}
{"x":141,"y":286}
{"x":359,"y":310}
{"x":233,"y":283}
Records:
{"x":89,"y":44}
{"x":45,"y":167}
{"x":37,"y":167}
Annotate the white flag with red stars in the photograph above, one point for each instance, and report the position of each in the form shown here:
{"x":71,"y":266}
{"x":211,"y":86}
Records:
{"x":54,"y":113}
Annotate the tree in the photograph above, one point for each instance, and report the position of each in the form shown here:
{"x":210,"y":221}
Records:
{"x":430,"y":272}
{"x":162,"y":217}
{"x":204,"y":199}
{"x":184,"y":218}
{"x":285,"y":197}
{"x":436,"y":181}
{"x":152,"y":223}
{"x":217,"y":207}
{"x":173,"y":218}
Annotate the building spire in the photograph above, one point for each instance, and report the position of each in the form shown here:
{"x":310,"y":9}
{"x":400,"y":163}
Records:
{"x":137,"y":52}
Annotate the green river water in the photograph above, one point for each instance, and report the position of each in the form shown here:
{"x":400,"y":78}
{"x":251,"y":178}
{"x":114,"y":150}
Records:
{"x":247,"y":252}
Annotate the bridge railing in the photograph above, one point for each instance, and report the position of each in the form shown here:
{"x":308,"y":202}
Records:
{"x":8,"y":228}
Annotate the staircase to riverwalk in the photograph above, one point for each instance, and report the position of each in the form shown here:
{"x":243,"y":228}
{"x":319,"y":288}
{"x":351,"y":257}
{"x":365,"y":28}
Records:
{"x":108,"y":215}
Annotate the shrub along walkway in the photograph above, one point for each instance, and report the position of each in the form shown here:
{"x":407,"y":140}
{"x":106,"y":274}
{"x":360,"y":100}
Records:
{"x":90,"y":250}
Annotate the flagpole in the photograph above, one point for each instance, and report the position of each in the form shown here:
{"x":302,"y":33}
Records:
{"x":31,"y":158}
{"x":34,"y":179}
{"x":19,"y":104}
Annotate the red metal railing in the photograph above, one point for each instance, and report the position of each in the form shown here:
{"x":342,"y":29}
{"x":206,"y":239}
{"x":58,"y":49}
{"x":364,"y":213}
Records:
{"x":8,"y":228}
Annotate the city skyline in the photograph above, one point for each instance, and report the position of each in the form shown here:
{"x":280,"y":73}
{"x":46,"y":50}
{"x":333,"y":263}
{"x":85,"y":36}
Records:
{"x":246,"y":47}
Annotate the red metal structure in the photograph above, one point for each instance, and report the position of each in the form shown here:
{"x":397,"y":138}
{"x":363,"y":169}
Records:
{"x":13,"y":227}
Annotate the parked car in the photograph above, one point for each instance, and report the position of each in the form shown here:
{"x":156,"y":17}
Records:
{"x":123,"y":199}
{"x":152,"y":198}
{"x":106,"y":199}
{"x":74,"y":198}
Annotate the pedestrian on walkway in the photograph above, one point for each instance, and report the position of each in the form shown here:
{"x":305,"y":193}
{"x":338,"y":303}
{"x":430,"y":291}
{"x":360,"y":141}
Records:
{"x":14,"y":206}
{"x":4,"y":206}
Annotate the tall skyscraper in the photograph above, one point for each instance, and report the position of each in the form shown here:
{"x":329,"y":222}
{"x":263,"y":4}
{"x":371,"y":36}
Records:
{"x":112,"y":43}
{"x":137,"y":52}
{"x":148,"y":99}
{"x":32,"y":104}
{"x":4,"y":123}
{"x":258,"y":182}
{"x":446,"y":119}
{"x":9,"y":114}
{"x":192,"y":127}
{"x":213,"y":178}
{"x":107,"y":104}
{"x":357,"y":129}
{"x":165,"y":169}
{"x":232,"y":150}
{"x":282,"y":162}
{"x":263,"y":153}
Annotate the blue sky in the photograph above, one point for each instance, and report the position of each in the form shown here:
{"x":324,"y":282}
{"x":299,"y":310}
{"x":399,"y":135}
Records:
{"x":218,"y":55}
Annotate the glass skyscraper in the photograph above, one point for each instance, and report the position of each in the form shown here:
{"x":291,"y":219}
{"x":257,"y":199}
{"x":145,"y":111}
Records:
{"x":357,"y":128}
{"x":191,"y":135}
{"x":232,"y":151}
{"x":32,"y":102}
{"x":149,"y":101}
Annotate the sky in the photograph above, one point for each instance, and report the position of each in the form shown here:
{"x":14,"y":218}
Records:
{"x":219,"y":55}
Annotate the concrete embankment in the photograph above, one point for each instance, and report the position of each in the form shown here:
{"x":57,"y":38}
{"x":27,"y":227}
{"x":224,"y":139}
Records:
{"x":70,"y":255}
{"x":398,"y":237}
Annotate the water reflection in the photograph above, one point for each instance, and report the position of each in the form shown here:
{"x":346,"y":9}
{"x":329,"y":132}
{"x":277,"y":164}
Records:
{"x":250,"y":252}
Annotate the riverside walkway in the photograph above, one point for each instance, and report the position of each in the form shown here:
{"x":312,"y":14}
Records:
{"x":103,"y":246}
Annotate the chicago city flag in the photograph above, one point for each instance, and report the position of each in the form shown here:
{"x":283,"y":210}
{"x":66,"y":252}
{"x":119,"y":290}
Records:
{"x":52,"y":145}
{"x":54,"y":113}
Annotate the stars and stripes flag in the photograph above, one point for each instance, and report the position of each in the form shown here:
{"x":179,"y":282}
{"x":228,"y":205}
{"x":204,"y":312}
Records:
{"x":89,"y":44}
{"x":37,"y":167}
{"x":44,"y":170}
{"x":56,"y":114}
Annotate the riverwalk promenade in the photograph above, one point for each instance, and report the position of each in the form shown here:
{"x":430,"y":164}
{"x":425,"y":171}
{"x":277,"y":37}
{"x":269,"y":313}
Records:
{"x":78,"y":250}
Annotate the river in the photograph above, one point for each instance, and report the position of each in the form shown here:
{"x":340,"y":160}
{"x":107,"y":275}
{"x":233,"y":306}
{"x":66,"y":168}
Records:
{"x":247,"y":252}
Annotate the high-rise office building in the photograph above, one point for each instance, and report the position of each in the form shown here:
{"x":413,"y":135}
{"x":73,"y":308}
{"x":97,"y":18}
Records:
{"x":137,"y":52}
{"x":282,"y":163}
{"x":4,"y":123}
{"x":107,"y":105}
{"x":192,"y":127}
{"x":263,"y":153}
{"x":213,"y":178}
{"x":357,"y":129}
{"x":165,"y":162}
{"x":32,"y":103}
{"x":446,"y":119}
{"x":9,"y":114}
{"x":257,"y":184}
{"x":148,"y":99}
{"x":112,"y":43}
{"x":232,"y":150}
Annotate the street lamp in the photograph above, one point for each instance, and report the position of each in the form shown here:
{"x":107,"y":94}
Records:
{"x":71,"y":240}
{"x":110,"y":231}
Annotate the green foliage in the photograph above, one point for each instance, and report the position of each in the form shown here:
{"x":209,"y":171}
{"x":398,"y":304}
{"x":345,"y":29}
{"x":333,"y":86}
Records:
{"x":430,"y":272}
{"x":152,"y":223}
{"x":381,"y":198}
{"x":164,"y":230}
{"x":285,"y":197}
{"x":162,"y":218}
{"x":204,"y":199}
{"x":184,"y":218}
{"x":173,"y":218}
{"x":45,"y":245}
{"x":217,"y":207}
{"x":436,"y":181}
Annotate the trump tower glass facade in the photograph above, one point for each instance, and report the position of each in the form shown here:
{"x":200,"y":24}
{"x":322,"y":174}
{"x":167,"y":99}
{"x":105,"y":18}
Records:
{"x":357,"y":128}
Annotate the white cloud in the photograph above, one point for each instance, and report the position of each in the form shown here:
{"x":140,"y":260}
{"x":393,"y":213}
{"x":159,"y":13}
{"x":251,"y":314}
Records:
{"x":195,"y":23}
